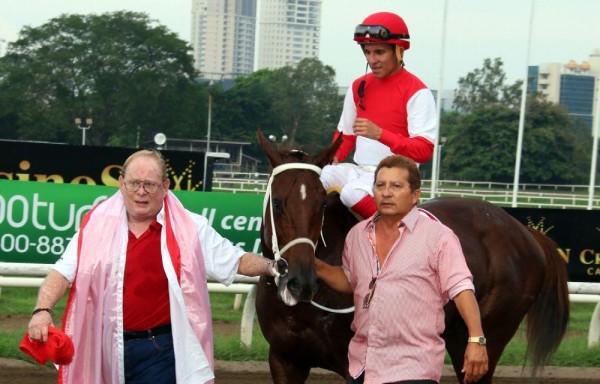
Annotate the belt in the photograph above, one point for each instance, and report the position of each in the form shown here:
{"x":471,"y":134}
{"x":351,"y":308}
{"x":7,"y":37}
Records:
{"x":147,"y":334}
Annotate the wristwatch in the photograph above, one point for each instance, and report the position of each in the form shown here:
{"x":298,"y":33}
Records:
{"x":477,"y":339}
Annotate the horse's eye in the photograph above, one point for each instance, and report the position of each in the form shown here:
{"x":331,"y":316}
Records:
{"x":277,"y":204}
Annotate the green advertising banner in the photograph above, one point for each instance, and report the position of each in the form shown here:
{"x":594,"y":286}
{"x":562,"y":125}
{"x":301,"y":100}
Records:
{"x":37,"y":220}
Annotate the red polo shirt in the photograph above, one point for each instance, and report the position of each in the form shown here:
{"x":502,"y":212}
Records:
{"x":145,"y":288}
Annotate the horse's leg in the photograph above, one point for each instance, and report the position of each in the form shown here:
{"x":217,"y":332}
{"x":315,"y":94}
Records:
{"x":287,"y":372}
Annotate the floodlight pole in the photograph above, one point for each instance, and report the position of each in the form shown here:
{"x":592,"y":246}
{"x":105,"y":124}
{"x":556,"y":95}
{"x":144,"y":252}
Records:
{"x":435,"y":163}
{"x":83,"y":128}
{"x":522,"y":113}
{"x":595,"y":134}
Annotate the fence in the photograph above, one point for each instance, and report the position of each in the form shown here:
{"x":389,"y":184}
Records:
{"x":30,"y":275}
{"x":530,"y":195}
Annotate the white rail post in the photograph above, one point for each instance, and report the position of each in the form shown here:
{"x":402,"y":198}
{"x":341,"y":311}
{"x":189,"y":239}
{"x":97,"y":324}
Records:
{"x":248,"y":317}
{"x":594,"y":332}
{"x":237,"y":301}
{"x":585,"y":289}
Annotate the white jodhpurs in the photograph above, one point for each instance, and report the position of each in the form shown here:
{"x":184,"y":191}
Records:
{"x":354,"y":181}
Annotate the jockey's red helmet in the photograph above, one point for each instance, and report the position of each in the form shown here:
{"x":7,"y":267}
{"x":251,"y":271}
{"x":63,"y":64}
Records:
{"x":384,"y":28}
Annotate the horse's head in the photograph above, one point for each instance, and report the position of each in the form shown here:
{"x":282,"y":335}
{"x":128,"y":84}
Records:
{"x":293,"y":216}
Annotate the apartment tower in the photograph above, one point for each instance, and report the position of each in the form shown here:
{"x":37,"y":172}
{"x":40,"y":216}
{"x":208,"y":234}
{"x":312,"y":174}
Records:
{"x":289,"y":31}
{"x":573,"y":85}
{"x":223,"y":35}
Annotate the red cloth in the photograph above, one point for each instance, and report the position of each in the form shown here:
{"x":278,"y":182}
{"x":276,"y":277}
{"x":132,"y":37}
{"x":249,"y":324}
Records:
{"x":59,"y":348}
{"x":145,"y":287}
{"x":366,"y":207}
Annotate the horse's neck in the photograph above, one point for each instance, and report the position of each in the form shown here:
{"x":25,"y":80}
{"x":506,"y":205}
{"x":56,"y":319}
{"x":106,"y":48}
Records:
{"x":338,"y":222}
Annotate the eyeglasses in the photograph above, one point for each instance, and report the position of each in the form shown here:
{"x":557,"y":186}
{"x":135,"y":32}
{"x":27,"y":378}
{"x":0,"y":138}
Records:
{"x":378,"y":32}
{"x":134,"y":185}
{"x":369,"y":296}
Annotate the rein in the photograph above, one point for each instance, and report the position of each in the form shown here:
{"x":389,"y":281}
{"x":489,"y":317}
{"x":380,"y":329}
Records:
{"x":277,"y":253}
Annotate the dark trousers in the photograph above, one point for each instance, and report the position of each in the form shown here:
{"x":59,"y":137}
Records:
{"x":361,"y":379}
{"x":150,"y":360}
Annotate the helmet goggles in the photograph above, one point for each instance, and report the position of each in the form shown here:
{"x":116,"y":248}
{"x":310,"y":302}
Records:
{"x":379,"y":32}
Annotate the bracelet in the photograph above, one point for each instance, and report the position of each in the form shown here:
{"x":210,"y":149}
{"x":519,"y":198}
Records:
{"x":38,"y":310}
{"x":269,"y":265}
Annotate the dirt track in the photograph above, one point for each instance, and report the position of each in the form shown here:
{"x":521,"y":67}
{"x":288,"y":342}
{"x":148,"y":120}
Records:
{"x":255,"y":372}
{"x":20,"y":372}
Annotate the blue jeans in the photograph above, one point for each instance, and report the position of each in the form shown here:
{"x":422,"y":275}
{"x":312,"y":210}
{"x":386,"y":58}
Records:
{"x":150,"y":360}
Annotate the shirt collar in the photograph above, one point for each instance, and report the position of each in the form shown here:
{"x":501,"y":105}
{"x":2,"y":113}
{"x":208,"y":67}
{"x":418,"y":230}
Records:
{"x":160,"y":218}
{"x":155,"y":225}
{"x":409,"y":221}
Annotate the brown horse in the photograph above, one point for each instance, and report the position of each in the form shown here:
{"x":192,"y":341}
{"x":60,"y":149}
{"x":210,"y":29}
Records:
{"x":517,"y":272}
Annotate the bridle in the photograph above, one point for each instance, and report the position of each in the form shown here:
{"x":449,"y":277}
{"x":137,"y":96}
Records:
{"x":277,"y":253}
{"x":300,"y":240}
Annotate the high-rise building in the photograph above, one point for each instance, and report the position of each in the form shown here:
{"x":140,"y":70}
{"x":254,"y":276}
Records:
{"x":289,"y":31}
{"x":223,"y":35}
{"x":576,"y":86}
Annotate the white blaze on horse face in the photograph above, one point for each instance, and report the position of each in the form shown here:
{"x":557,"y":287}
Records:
{"x":287,"y":297}
{"x":303,"y":192}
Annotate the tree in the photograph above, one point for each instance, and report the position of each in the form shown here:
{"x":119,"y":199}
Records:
{"x":556,"y":146}
{"x":122,"y":69}
{"x":306,"y":103}
{"x":300,"y":102}
{"x":482,"y":133}
{"x":482,"y":145}
{"x":485,"y":86}
{"x":241,"y":110}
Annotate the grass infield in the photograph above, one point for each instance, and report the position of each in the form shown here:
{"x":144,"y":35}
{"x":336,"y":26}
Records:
{"x":16,"y":305}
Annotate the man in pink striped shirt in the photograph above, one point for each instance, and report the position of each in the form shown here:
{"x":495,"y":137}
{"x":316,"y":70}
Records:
{"x":402,"y":266}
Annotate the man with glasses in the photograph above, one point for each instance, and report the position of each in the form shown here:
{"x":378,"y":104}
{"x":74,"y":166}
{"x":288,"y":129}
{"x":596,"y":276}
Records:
{"x":138,"y":309}
{"x":402,"y":266}
{"x":388,"y":111}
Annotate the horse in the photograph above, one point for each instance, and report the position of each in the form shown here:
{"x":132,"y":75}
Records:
{"x":517,"y":272}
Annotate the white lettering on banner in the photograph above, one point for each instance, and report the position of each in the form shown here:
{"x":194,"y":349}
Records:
{"x":256,"y":245}
{"x":255,"y":248}
{"x":34,"y":213}
{"x":241,"y":223}
{"x":255,"y":223}
{"x":24,"y":213}
{"x":69,"y":221}
{"x":210,"y":215}
{"x":16,"y":213}
{"x":236,"y":223}
{"x":83,"y":208}
{"x":2,"y":209}
{"x":42,"y":245}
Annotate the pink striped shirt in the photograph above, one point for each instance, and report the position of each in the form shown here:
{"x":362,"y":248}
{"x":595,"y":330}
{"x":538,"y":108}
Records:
{"x":398,"y":336}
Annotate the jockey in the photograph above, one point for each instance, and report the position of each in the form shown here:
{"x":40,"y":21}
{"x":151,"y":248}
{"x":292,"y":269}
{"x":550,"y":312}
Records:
{"x":388,"y":111}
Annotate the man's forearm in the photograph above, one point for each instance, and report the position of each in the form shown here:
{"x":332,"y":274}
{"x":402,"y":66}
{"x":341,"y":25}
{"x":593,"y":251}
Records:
{"x":53,"y":288}
{"x":469,"y":310}
{"x":252,"y":264}
{"x":333,"y":276}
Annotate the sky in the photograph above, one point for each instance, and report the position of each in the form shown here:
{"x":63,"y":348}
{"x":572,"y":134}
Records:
{"x":561,"y":30}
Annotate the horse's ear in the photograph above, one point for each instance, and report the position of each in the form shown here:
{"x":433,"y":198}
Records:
{"x":326,"y":155}
{"x":272,"y":154}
